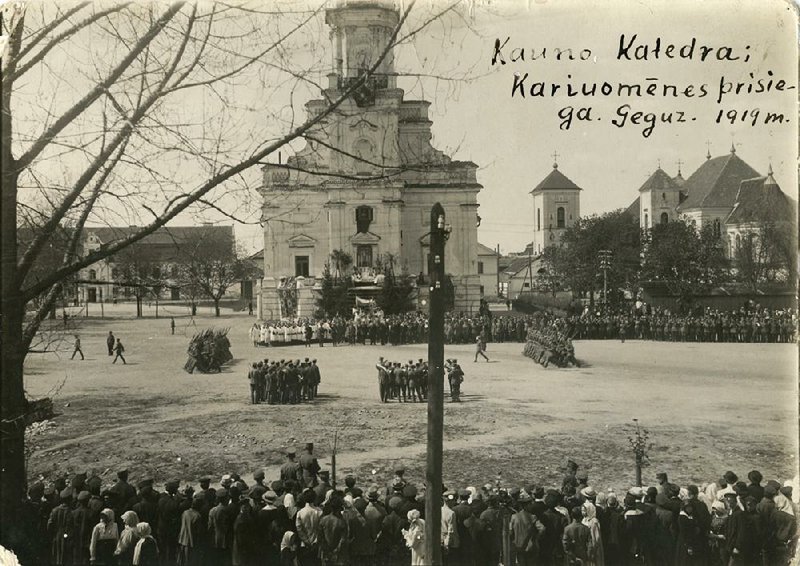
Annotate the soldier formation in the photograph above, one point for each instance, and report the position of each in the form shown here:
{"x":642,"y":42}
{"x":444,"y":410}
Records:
{"x":550,"y":345}
{"x":409,"y":381}
{"x":208,"y":351}
{"x":404,"y":382}
{"x":283,"y":382}
{"x":747,"y":324}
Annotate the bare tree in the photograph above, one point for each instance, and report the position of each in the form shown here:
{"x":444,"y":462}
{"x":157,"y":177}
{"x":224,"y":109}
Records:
{"x":211,"y":265}
{"x":131,"y":111}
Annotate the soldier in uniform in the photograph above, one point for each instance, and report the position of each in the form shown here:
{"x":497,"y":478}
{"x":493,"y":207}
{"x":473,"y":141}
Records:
{"x":316,"y":378}
{"x":309,"y":466}
{"x":291,"y":469}
{"x":252,"y":376}
{"x":455,"y":376}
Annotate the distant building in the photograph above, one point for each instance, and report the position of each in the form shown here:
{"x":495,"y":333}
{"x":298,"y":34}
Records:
{"x":488,"y":271}
{"x":659,"y":198}
{"x":157,"y":257}
{"x":556,"y":207}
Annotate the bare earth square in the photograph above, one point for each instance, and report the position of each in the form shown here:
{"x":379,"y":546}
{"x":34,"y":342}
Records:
{"x":708,"y":407}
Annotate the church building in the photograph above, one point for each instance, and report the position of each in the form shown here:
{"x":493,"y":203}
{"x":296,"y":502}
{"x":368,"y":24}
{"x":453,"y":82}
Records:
{"x":556,"y":207}
{"x":367,"y":178}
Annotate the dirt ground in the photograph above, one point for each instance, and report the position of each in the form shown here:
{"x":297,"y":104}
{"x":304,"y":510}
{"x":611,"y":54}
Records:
{"x":708,"y":408}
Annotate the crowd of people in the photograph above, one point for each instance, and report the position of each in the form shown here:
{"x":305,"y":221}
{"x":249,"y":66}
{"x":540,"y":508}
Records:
{"x":743,"y":325}
{"x":746,"y":324}
{"x":284,"y":382}
{"x":407,"y":328}
{"x":409,"y":381}
{"x":305,"y":518}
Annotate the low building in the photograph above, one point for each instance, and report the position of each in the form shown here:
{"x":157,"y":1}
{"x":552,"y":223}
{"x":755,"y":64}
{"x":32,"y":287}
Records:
{"x":152,"y":264}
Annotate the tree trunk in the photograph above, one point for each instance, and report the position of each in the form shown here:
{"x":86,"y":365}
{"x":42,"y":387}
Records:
{"x":12,"y":356}
{"x":216,"y":307}
{"x":638,"y":472}
{"x":138,"y":304}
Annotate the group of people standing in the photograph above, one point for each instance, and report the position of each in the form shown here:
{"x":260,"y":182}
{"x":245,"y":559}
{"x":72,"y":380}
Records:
{"x":283,"y":382}
{"x":742,"y":325}
{"x":303,"y":518}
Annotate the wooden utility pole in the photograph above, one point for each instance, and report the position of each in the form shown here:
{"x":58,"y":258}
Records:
{"x":433,"y":472}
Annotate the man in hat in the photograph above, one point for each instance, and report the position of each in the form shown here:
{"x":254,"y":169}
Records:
{"x":525,"y":530}
{"x":146,"y":508}
{"x":271,"y":523}
{"x":123,"y":493}
{"x":398,"y":482}
{"x":333,"y":533}
{"x":291,"y":470}
{"x":309,"y":466}
{"x":258,"y":477}
{"x":60,"y":529}
{"x":577,"y":539}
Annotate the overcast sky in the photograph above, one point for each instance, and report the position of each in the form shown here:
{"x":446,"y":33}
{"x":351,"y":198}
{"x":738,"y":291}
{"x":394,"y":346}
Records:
{"x":512,"y":139}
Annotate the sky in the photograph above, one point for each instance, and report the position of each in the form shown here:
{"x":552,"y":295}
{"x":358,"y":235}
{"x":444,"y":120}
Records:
{"x":512,"y":139}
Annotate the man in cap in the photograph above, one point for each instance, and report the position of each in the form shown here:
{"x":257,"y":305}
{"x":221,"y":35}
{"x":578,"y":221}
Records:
{"x":392,"y":548}
{"x":220,"y":529}
{"x":60,"y":529}
{"x":169,"y":522}
{"x":271,"y":523}
{"x":82,"y":529}
{"x":450,"y":542}
{"x":333,"y":533}
{"x":291,"y":469}
{"x":258,"y":477}
{"x":146,"y":508}
{"x":309,"y":466}
{"x":480,"y":348}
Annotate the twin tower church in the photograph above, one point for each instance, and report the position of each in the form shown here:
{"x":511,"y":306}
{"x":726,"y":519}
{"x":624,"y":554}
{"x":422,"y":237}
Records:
{"x":366,"y":180}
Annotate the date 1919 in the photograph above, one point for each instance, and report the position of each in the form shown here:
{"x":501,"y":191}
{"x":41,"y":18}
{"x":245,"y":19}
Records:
{"x":752,"y":116}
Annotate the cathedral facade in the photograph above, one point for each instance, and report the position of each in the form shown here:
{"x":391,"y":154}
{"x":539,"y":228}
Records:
{"x":367,"y":178}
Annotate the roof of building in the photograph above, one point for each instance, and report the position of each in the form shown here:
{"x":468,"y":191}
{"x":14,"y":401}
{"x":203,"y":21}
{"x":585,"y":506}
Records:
{"x":555,"y":181}
{"x":486,"y":250}
{"x":633,"y":209}
{"x":716,"y":182}
{"x":659,"y":181}
{"x":164,"y":235}
{"x":516,"y":266}
{"x":761,"y":199}
{"x":164,"y":244}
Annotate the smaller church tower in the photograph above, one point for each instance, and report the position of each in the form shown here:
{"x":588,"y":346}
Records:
{"x":659,"y":198}
{"x":556,"y":207}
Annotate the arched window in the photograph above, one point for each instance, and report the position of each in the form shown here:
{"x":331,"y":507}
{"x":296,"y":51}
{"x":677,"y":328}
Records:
{"x":664,"y":218}
{"x":560,"y":222}
{"x":646,"y":220}
{"x":538,"y":218}
{"x":92,"y":275}
{"x":717,"y":227}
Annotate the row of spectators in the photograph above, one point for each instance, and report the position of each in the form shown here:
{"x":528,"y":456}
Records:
{"x":296,"y":522}
{"x":751,"y":325}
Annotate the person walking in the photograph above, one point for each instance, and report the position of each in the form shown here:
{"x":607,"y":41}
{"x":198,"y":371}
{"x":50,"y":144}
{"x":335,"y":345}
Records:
{"x":118,"y":349}
{"x":77,"y":348}
{"x":172,"y":324}
{"x":480,"y":348}
{"x":110,"y":343}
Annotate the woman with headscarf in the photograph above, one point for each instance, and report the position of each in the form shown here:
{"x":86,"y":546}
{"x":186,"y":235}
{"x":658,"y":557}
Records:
{"x":720,"y":515}
{"x":128,"y":539}
{"x":291,"y":510}
{"x":146,"y":551}
{"x":415,"y":538}
{"x":597,"y":557}
{"x":104,"y":539}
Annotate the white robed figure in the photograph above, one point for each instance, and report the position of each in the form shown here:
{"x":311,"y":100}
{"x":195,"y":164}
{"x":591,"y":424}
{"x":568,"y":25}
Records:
{"x":415,"y":538}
